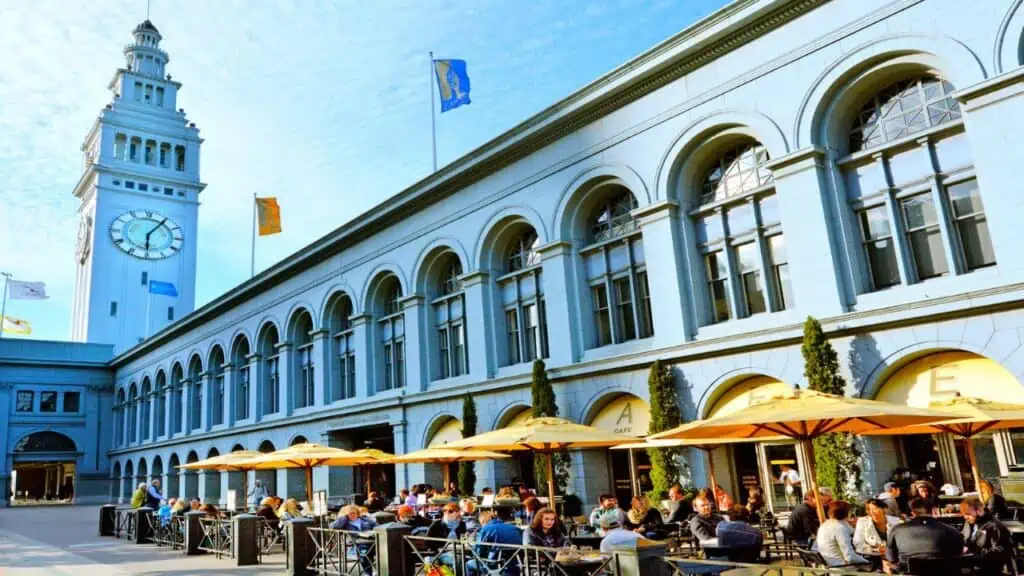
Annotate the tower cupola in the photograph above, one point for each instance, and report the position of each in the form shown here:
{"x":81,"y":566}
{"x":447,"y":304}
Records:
{"x":144,"y":56}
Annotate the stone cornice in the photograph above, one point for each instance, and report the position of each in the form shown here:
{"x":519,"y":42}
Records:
{"x":987,"y":92}
{"x":656,"y":210}
{"x":796,"y":161}
{"x":474,"y":278}
{"x":735,"y":25}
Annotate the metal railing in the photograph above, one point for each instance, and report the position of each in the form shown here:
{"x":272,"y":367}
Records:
{"x":340,"y":552}
{"x":465,"y":557}
{"x":217,"y":537}
{"x":167,"y":533}
{"x":693,"y":567}
{"x":270,"y":537}
{"x":124,"y":523}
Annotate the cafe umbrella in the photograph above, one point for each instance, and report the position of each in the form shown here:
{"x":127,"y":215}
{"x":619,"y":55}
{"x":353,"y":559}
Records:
{"x":804,"y":415}
{"x":305,"y":457}
{"x":231,"y":462}
{"x":544,"y":435}
{"x":442,"y":455}
{"x":373,"y":457}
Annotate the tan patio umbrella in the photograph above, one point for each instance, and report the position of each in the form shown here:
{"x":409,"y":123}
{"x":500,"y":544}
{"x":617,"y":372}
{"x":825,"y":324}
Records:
{"x":373,"y":457}
{"x":442,"y":455}
{"x":232,"y":462}
{"x":305,"y":456}
{"x":707,"y":445}
{"x":544,"y":435}
{"x":972,"y":416}
{"x":804,"y":415}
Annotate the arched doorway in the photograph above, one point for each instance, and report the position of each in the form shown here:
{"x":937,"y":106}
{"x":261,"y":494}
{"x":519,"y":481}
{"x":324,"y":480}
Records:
{"x":942,"y":458}
{"x":128,"y":481}
{"x":296,"y":477}
{"x":211,"y":481}
{"x":754,"y":464}
{"x":142,"y":475}
{"x":115,"y":482}
{"x":268,"y":478}
{"x":44,"y":468}
{"x":173,"y":477}
{"x":191,"y":477}
{"x":519,"y":468}
{"x":445,"y":430}
{"x":235,"y":483}
{"x":630,"y":470}
{"x":158,"y":474}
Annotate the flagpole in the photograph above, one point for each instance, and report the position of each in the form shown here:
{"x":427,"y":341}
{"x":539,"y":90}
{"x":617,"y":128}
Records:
{"x":433,"y":120}
{"x":252,"y":264}
{"x":3,"y":307}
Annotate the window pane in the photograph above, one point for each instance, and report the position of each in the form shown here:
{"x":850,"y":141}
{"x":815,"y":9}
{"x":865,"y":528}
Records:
{"x":747,"y":257}
{"x":740,"y":218}
{"x":512,"y":328}
{"x":709,"y":229}
{"x":882,"y":260}
{"x":624,"y":302}
{"x":530,"y":320}
{"x":24,"y":402}
{"x":753,"y":292}
{"x":875,"y":223}
{"x":602,"y":321}
{"x":442,"y":343}
{"x":929,"y":254}
{"x":918,"y":212}
{"x":976,"y":243}
{"x":769,"y":210}
{"x":965,"y":198}
{"x":647,"y":328}
{"x":719,"y":300}
{"x":47,"y":401}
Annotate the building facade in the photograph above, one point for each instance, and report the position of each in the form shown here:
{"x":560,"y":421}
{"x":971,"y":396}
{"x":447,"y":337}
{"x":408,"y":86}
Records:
{"x":848,"y":159}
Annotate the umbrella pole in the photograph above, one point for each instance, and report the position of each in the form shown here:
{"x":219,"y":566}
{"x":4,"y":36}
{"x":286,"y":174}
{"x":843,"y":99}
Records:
{"x":447,"y":474}
{"x":309,"y":487}
{"x":245,"y":490}
{"x":551,"y":479}
{"x":809,"y":452}
{"x":974,"y":465}
{"x":711,"y":478}
{"x":366,"y":477}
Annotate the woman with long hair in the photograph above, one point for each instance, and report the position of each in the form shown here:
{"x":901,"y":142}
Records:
{"x":643,"y":519}
{"x":545,"y":530}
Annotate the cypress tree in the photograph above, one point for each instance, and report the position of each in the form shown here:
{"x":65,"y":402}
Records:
{"x":543,"y":405}
{"x":665,"y":415}
{"x":467,"y":470}
{"x":837,"y":456}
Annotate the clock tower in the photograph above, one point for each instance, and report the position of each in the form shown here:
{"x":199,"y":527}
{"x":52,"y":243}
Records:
{"x":139,"y":194}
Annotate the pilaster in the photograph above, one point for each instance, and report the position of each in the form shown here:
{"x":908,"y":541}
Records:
{"x":661,"y":230}
{"x":362,"y":332}
{"x":479,"y":341}
{"x":321,"y":364}
{"x":415,"y":352}
{"x":285,"y":378}
{"x":230,"y":391}
{"x":564,"y":341}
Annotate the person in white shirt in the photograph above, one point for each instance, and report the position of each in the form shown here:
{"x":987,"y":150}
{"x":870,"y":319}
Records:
{"x":790,"y":478}
{"x":870,"y":535}
{"x":835,"y":538}
{"x":615,"y":535}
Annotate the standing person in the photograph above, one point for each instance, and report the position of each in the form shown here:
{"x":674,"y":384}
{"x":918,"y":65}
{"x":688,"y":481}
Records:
{"x":153,"y":496}
{"x":872,"y":530}
{"x":986,"y":538}
{"x":835,"y":538}
{"x":790,"y":479}
{"x":995,"y":504}
{"x":545,"y":530}
{"x":258,"y":493}
{"x":139,"y":496}
{"x":803,"y":520}
{"x":890,"y":496}
{"x":922,"y":536}
{"x":755,"y":504}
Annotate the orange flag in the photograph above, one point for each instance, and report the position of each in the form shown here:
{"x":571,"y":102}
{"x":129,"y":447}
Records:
{"x":268,"y":216}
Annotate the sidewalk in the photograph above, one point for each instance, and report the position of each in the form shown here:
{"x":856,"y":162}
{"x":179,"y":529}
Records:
{"x":64,"y":541}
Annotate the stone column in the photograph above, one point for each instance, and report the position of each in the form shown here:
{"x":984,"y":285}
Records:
{"x":186,"y":407}
{"x":228,"y":401}
{"x":401,"y":470}
{"x":168,"y":411}
{"x":479,"y":340}
{"x":416,"y":376}
{"x":285,"y":378}
{"x":362,"y":332}
{"x":662,"y":234}
{"x":561,"y":297}
{"x":993,"y":110}
{"x":255,"y":386}
{"x":321,"y":364}
{"x":816,"y":271}
{"x":206,"y":405}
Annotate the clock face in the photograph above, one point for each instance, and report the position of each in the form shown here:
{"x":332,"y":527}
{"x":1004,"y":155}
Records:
{"x":147,"y":234}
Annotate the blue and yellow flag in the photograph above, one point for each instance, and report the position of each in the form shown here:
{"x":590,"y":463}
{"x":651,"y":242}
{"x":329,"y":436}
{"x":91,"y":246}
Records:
{"x":452,"y":83}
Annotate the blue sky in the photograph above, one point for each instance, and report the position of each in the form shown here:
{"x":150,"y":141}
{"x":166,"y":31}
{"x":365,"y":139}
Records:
{"x":322,"y":104}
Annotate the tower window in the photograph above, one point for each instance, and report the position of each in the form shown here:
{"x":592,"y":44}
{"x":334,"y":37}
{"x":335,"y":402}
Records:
{"x":165,"y":155}
{"x":129,"y":184}
{"x":179,"y":158}
{"x":138,"y":91}
{"x":116,"y":182}
{"x":113,"y":308}
{"x":169,"y":191}
{"x":149,"y":92}
{"x":170,"y":312}
{"x":159,"y":96}
{"x":143,"y":187}
{"x":145,"y":278}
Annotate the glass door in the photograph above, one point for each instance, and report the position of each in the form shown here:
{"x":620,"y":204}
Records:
{"x":783,"y":468}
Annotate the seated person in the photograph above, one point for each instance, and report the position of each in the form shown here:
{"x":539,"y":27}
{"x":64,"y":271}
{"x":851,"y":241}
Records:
{"x":195,"y":504}
{"x":835,"y":538}
{"x":210,"y":510}
{"x":178,"y":508}
{"x":289,"y":510}
{"x":643,"y":519}
{"x":986,"y":537}
{"x":803,"y":520}
{"x":608,"y":505}
{"x":349,"y":518}
{"x":468,"y":508}
{"x":921,"y":536}
{"x":450,"y":525}
{"x":615,"y":535}
{"x":872,"y":530}
{"x":738,"y":541}
{"x":704,"y":524}
{"x":267,"y":512}
{"x":408,"y":516}
{"x":678,"y":511}
{"x":545,"y":530}
{"x":994,"y":503}
{"x":497,"y":529}
{"x":164,"y":512}
{"x":375,"y":503}
{"x":755,"y":504}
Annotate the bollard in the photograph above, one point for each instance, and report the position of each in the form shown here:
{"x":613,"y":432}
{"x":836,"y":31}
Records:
{"x":193,"y":533}
{"x":107,"y":519}
{"x":394,"y":557}
{"x":143,"y":525}
{"x":645,"y":558}
{"x":300,"y":547}
{"x":245,"y":539}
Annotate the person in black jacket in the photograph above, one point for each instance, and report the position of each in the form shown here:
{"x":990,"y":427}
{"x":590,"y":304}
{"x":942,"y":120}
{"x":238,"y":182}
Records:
{"x":704,"y":523}
{"x":645,"y":520}
{"x":922,"y":537}
{"x":985,"y":537}
{"x":450,"y":525}
{"x":678,"y":510}
{"x":803,"y":520}
{"x":994,"y":503}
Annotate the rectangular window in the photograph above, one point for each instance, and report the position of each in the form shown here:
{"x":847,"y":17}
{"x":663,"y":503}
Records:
{"x":879,"y":248}
{"x":512,"y":331}
{"x":273,"y":396}
{"x":129,"y":184}
{"x":179,"y":158}
{"x":459,"y":362}
{"x":116,"y":182}
{"x":718,"y":285}
{"x":442,"y":346}
{"x":165,"y":155}
{"x":624,"y":309}
{"x":747,"y":257}
{"x":72,"y":401}
{"x":399,"y":365}
{"x":47,"y":401}
{"x":143,"y":187}
{"x":350,"y":383}
{"x":971,"y":224}
{"x":113,"y":308}
{"x":602,"y":319}
{"x":389,"y":367}
{"x":138,"y":91}
{"x":924,"y":236}
{"x":531,"y":321}
{"x":780,"y":272}
{"x":170,"y":312}
{"x":159,"y":96}
{"x":145,"y":278}
{"x":24,"y":401}
{"x":646,"y":317}
{"x":133,"y":155}
{"x":168,"y":191}
{"x":149,"y":93}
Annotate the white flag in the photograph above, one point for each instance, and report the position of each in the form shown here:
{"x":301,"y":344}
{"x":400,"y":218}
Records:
{"x":19,"y":290}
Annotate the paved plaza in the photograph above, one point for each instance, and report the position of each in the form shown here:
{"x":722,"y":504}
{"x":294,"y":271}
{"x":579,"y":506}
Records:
{"x":64,"y":540}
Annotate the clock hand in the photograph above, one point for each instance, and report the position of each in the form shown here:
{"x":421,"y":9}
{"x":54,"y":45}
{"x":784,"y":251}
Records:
{"x":150,"y":233}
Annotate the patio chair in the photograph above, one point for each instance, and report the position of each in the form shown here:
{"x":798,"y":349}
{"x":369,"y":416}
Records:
{"x":811,"y":558}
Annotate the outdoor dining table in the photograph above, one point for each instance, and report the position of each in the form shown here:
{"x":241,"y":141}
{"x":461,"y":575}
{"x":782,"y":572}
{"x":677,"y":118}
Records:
{"x":587,"y":541}
{"x":582,"y":564}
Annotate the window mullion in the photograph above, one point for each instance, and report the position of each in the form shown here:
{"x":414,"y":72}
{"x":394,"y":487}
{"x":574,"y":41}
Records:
{"x":610,"y":298}
{"x":950,"y":240}
{"x":638,"y":327}
{"x":765,"y":264}
{"x":733,"y":280}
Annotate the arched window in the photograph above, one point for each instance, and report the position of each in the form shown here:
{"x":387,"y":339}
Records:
{"x":391,"y":327}
{"x":739,"y":235}
{"x":240,"y":360}
{"x":161,"y":404}
{"x":910,"y":181}
{"x":522,"y":296}
{"x":270,"y":380}
{"x":45,"y":442}
{"x":177,"y":398}
{"x":449,"y":306}
{"x":302,"y":342}
{"x":195,"y":379}
{"x":616,"y":270}
{"x":145,"y":400}
{"x":343,"y":357}
{"x":133,"y":414}
{"x":216,"y":365}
